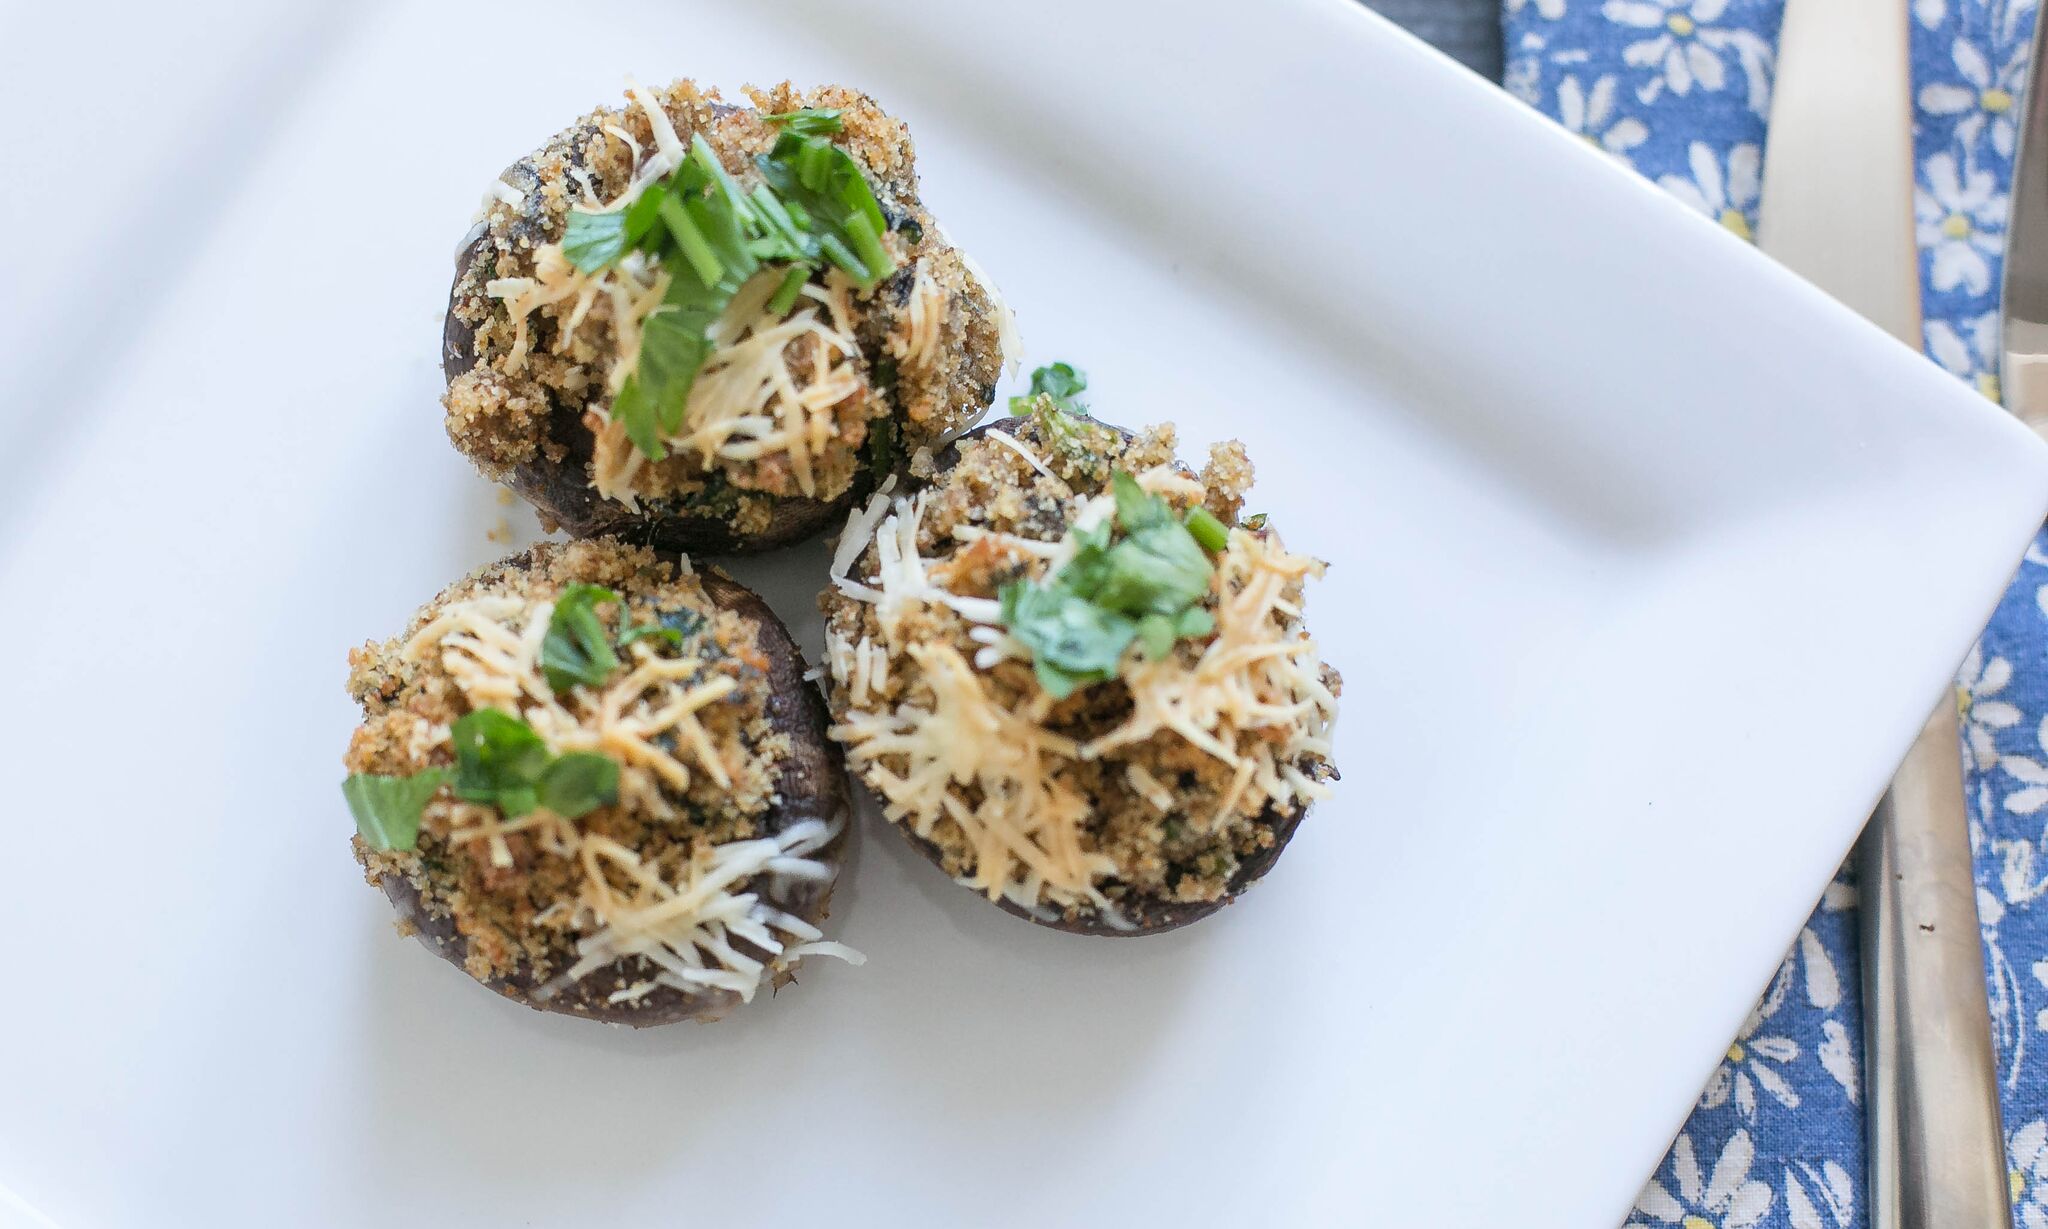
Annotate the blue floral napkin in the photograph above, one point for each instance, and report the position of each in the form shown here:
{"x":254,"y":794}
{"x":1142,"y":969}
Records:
{"x":1680,"y":89}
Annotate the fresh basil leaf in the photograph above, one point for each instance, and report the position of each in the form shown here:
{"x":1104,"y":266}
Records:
{"x":387,"y":809}
{"x":578,"y":783}
{"x":808,"y":121}
{"x":594,"y":240}
{"x":498,"y":758}
{"x":576,"y":649}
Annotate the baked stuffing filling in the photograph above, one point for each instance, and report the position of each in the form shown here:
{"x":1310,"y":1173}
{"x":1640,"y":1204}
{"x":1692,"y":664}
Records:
{"x":736,"y":304}
{"x":571,"y":757}
{"x":1073,"y":668}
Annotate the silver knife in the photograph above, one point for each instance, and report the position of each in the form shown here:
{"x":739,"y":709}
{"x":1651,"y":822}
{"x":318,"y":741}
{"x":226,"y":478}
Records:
{"x":1837,"y":208}
{"x":2023,"y":369}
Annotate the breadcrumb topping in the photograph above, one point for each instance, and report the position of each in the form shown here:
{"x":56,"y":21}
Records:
{"x":679,"y":883}
{"x":1156,"y":785}
{"x":803,"y":404}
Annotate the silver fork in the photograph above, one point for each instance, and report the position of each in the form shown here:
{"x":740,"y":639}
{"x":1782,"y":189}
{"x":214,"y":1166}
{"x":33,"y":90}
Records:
{"x":1837,"y":208}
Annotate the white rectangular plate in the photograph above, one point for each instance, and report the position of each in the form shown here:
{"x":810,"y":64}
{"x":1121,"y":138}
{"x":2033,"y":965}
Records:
{"x":1646,"y":561}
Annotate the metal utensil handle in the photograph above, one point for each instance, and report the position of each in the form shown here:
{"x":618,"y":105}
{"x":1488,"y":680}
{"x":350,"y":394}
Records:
{"x":1937,"y":1157}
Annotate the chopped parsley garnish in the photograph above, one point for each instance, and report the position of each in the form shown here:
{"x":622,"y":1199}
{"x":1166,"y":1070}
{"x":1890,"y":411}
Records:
{"x":499,"y":760}
{"x":1146,"y":587}
{"x":1213,"y":534}
{"x":576,"y":649}
{"x":640,"y":631}
{"x":387,"y":809}
{"x":813,"y":208}
{"x":594,"y":240}
{"x":1055,"y":404}
{"x":807,"y":121}
{"x":1062,"y":383}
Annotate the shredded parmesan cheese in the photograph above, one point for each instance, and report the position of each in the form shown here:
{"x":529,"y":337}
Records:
{"x":1254,"y":699}
{"x":645,"y":719}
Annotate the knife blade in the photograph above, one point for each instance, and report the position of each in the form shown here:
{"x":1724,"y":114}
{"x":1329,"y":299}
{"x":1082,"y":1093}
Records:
{"x":1837,"y":208}
{"x":2023,"y":365}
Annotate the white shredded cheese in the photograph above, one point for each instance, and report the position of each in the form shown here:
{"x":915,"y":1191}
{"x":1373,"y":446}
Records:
{"x":1254,"y":700}
{"x":645,"y":719}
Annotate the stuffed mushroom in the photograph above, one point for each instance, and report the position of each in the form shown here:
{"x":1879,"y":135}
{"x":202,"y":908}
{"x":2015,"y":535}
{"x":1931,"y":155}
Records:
{"x":712,"y":325}
{"x":596,"y":781}
{"x":1076,"y":679}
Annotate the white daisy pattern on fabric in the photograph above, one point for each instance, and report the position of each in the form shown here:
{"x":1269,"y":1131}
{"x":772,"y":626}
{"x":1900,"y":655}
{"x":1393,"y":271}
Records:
{"x":1987,"y":97}
{"x":1960,"y":217}
{"x":1982,"y":712}
{"x":1591,"y":115}
{"x":1684,"y":47}
{"x":1967,"y":350}
{"x":1819,"y":1196}
{"x":1694,"y":76}
{"x":1723,"y":188}
{"x":1755,"y":1059}
{"x":1726,"y":1198}
{"x":2028,"y":1147}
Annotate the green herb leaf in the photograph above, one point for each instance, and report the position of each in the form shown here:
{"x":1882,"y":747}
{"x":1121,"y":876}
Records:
{"x":498,"y":760}
{"x":1148,"y":587}
{"x":673,"y":348}
{"x":809,"y":121}
{"x":785,"y":294}
{"x":815,"y":206}
{"x":1066,"y":632}
{"x":1060,"y":381}
{"x":578,"y":783}
{"x":594,"y":240}
{"x":1213,"y":534}
{"x":576,"y":649}
{"x":1055,"y":393}
{"x":1157,"y":570}
{"x":1155,"y":635}
{"x":635,"y":409}
{"x":816,"y":179}
{"x":1135,"y":508}
{"x":642,"y":631}
{"x":387,"y":809}
{"x":1255,"y":522}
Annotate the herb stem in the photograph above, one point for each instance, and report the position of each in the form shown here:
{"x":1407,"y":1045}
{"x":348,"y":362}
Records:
{"x":1213,"y":534}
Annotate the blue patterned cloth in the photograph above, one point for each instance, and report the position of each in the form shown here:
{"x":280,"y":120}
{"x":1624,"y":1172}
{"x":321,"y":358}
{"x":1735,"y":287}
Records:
{"x":1680,"y":90}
